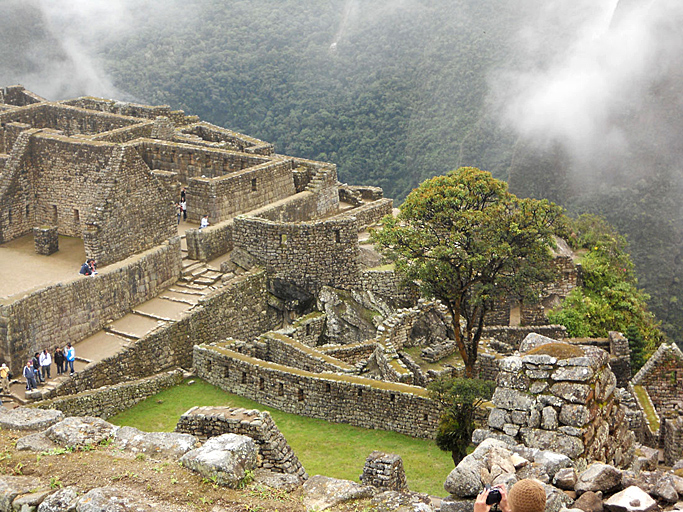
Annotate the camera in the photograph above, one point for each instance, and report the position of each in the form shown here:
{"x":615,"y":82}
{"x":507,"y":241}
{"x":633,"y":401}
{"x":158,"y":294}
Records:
{"x":494,"y":496}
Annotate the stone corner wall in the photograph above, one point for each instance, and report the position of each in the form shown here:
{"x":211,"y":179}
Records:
{"x":673,"y":440}
{"x":276,"y":454}
{"x":567,"y":405}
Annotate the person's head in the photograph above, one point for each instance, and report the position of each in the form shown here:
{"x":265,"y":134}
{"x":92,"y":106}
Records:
{"x":36,"y":354}
{"x":29,"y":363}
{"x":68,"y":345}
{"x":44,"y":351}
{"x":4,"y":365}
{"x":527,"y":495}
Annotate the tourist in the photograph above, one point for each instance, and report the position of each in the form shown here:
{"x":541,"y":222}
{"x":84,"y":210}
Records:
{"x":183,"y":196}
{"x":204,"y":223}
{"x":88,"y":268}
{"x":4,"y":378}
{"x":526,"y":495}
{"x":183,"y":207}
{"x":30,"y":377}
{"x":70,"y":354}
{"x":45,"y":362}
{"x":179,"y":211}
{"x":36,"y":367}
{"x":59,"y":361}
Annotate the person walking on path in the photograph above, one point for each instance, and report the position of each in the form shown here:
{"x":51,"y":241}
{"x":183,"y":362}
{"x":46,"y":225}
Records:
{"x":70,"y":355}
{"x":179,"y":211}
{"x":30,"y":376}
{"x":183,"y":207}
{"x":45,"y":362}
{"x":59,"y":361}
{"x":4,"y":378}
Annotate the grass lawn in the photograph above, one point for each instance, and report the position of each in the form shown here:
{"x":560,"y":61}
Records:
{"x":324,"y":448}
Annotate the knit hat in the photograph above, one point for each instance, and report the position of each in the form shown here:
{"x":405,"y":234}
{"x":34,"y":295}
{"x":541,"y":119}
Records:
{"x":527,"y":496}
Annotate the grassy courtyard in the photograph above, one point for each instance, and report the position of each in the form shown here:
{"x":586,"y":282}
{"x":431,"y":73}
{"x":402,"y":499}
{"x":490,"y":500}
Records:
{"x":325,"y":448}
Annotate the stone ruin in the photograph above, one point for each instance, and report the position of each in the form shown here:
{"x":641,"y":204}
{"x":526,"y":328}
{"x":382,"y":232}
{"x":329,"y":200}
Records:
{"x":384,"y":471}
{"x":560,"y":397}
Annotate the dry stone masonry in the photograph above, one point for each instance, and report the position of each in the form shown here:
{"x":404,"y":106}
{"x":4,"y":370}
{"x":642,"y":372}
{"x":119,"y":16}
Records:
{"x":561,"y":397}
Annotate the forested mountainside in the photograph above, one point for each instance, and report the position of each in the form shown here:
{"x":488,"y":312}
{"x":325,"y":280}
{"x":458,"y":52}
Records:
{"x":392,"y":91}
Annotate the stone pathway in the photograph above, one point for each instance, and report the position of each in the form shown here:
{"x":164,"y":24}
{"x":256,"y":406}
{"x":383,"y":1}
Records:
{"x":198,"y":279}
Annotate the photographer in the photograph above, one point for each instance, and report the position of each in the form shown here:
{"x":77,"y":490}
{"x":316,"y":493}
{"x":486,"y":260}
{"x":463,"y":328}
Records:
{"x":525,"y":496}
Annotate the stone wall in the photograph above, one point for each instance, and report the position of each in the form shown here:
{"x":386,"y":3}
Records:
{"x":309,"y":329}
{"x":17,"y":95}
{"x":561,"y":397}
{"x":225,"y":196}
{"x":384,"y":471}
{"x":73,"y":310}
{"x":309,"y":254}
{"x":388,"y":285}
{"x":107,"y":401}
{"x":231,"y":140}
{"x":513,"y":335}
{"x":209,"y":243}
{"x":240,"y":309}
{"x":339,"y":398}
{"x":275,"y":453}
{"x":120,"y":107}
{"x":662,"y":376}
{"x":352,"y":353}
{"x":370,"y":213}
{"x":67,"y":119}
{"x":673,"y":440}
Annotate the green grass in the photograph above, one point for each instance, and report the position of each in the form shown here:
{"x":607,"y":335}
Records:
{"x":324,"y":448}
{"x":648,"y":408}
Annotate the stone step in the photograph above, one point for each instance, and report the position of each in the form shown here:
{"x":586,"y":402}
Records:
{"x":184,"y":290}
{"x":212,"y":274}
{"x":204,"y":280}
{"x":187,"y":298}
{"x":199,"y":271}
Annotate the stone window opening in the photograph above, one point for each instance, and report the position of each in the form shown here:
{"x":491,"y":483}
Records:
{"x":393,"y":397}
{"x":244,"y":377}
{"x":308,"y":329}
{"x":283,"y":239}
{"x":280,"y":389}
{"x":337,"y":236}
{"x":360,"y":392}
{"x":426,"y":417}
{"x":226,"y":372}
{"x":253,"y":184}
{"x":77,"y":216}
{"x":328,"y":388}
{"x":28,"y":210}
{"x":262,"y":383}
{"x":55,"y":216}
{"x":301,"y":395}
{"x":208,"y":367}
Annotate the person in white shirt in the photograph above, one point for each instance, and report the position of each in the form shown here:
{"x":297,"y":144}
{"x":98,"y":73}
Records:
{"x":45,"y":362}
{"x":205,"y":222}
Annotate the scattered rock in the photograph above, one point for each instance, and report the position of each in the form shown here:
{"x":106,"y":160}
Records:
{"x":284,"y":481}
{"x":453,"y":504}
{"x":30,"y":501}
{"x":13,"y":486}
{"x":24,"y":418}
{"x":589,"y":502}
{"x":59,"y":501}
{"x":38,"y":442}
{"x":225,"y":458}
{"x":631,"y":499}
{"x":105,"y":499}
{"x":322,"y":492}
{"x":81,"y":431}
{"x":555,"y":499}
{"x":393,"y":501}
{"x":565,"y":478}
{"x":599,"y":477}
{"x":552,"y":462}
{"x":161,"y":444}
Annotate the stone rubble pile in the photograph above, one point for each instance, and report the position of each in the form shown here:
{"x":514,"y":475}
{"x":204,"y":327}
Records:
{"x":568,"y":485}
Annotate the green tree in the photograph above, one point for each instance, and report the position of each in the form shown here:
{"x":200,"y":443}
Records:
{"x":468,"y":242}
{"x":460,"y":398}
{"x":609,"y":298}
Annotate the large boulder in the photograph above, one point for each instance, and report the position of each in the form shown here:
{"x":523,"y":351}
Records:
{"x":38,"y":442}
{"x":589,"y":502}
{"x":631,"y":499}
{"x":224,"y":459}
{"x":81,"y":431}
{"x":170,"y":445}
{"x":555,"y":499}
{"x":599,"y":477}
{"x":25,"y":418}
{"x":323,"y":492}
{"x":465,"y":480}
{"x":394,"y":501}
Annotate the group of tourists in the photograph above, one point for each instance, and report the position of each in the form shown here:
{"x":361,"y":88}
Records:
{"x":181,"y":210}
{"x":89,"y":268}
{"x":37,"y":369}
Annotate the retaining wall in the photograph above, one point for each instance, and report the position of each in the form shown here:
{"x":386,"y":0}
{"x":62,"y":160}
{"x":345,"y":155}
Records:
{"x":339,"y":398}
{"x":73,"y":310}
{"x":107,"y":401}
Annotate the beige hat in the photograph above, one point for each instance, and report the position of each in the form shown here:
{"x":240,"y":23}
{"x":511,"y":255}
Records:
{"x":527,"y":496}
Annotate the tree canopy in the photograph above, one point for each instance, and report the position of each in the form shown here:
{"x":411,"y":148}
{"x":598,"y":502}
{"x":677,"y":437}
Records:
{"x":468,"y":242}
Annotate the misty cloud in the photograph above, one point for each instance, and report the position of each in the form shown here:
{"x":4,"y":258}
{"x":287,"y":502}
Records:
{"x":583,"y":96}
